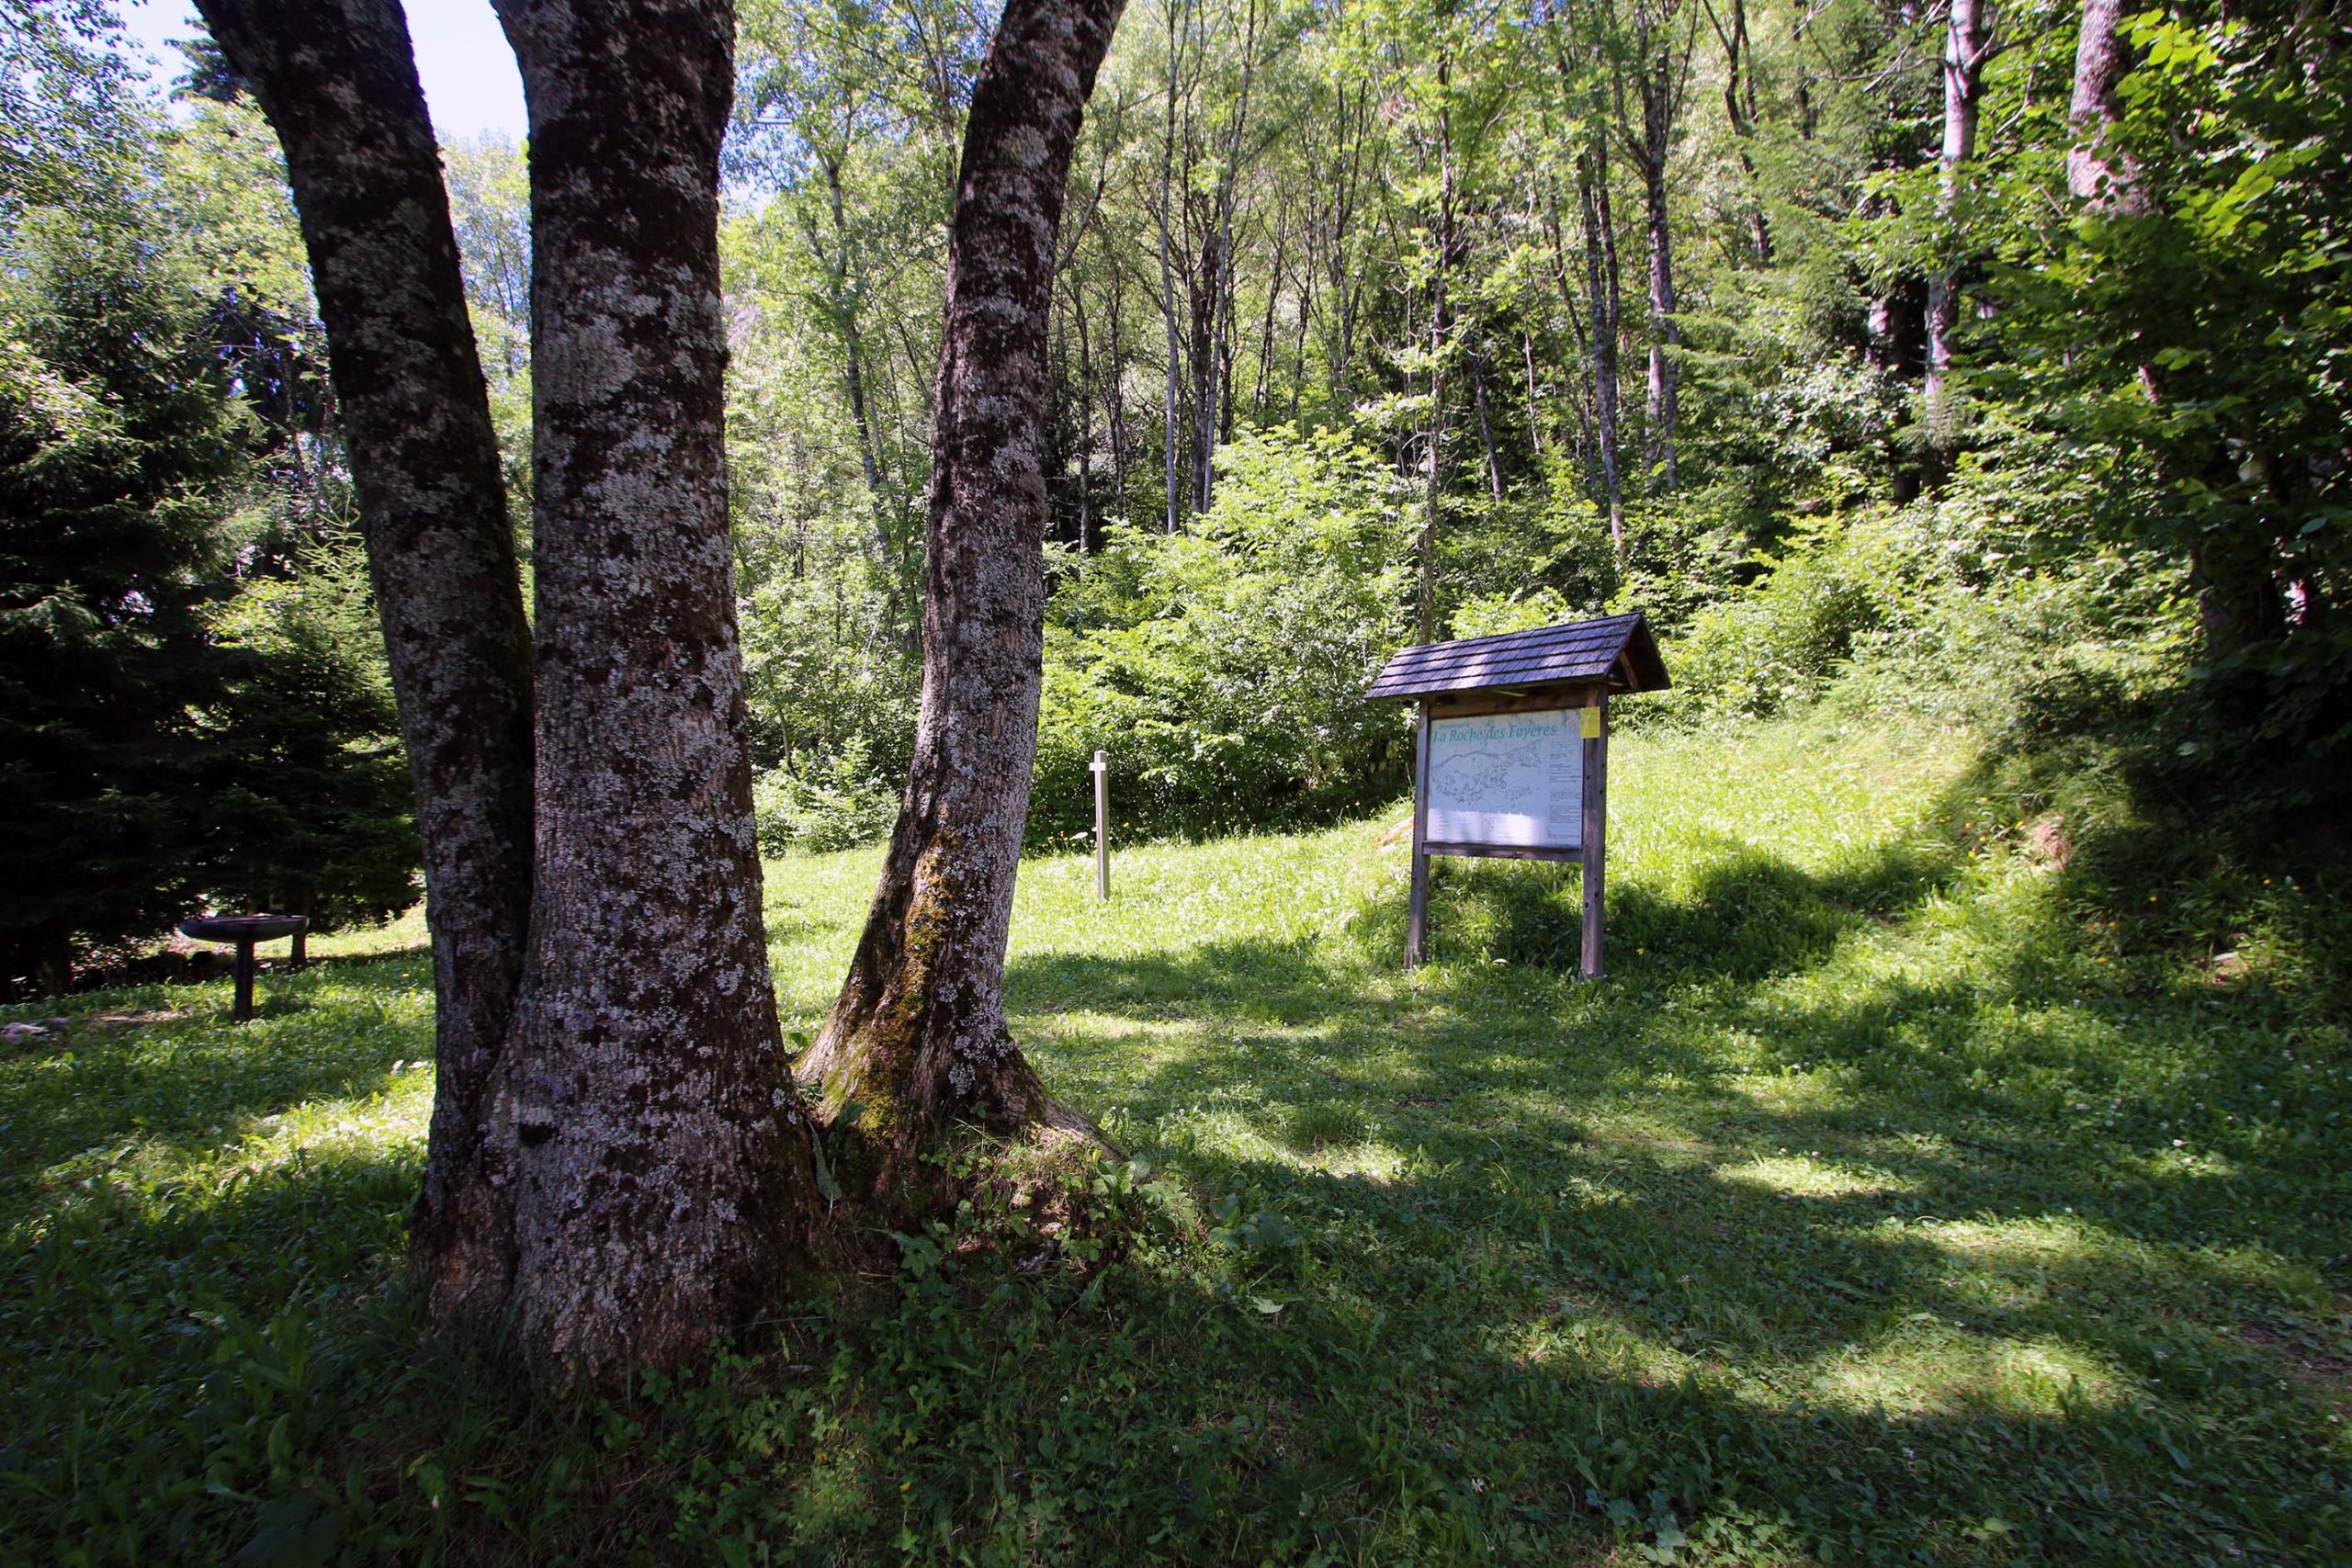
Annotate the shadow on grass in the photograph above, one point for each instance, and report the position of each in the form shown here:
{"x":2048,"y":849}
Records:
{"x":1673,"y":1243}
{"x":1739,"y":1253}
{"x":166,"y":1069}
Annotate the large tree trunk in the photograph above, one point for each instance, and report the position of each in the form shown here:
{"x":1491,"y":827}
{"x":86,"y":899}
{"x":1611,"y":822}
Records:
{"x":2097,"y":172}
{"x":918,"y":1037}
{"x":645,"y":1124}
{"x":1967,"y":45}
{"x":338,"y":81}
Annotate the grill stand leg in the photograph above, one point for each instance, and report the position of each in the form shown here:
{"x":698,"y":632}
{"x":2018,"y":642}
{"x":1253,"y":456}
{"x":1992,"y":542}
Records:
{"x":244,"y":1009}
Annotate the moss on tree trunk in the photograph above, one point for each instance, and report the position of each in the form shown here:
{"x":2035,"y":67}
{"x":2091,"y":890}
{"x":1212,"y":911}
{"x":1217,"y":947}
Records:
{"x":918,"y":1038}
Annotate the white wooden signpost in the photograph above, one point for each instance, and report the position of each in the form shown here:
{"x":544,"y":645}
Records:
{"x":1101,"y":767}
{"x":1511,"y":754}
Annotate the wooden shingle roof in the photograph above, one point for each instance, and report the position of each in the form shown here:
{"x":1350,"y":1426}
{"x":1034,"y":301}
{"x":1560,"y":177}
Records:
{"x":1617,"y":649}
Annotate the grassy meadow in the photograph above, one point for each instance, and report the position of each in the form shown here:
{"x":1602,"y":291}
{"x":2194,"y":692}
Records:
{"x":1891,"y":1202}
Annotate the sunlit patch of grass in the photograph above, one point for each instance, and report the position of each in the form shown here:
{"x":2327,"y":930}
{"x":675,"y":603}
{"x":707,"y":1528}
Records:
{"x":1804,"y":1176}
{"x":1927,"y":1367}
{"x":402,"y":933}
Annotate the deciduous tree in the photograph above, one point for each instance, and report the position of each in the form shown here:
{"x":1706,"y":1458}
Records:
{"x":615,"y":1168}
{"x":918,"y":1038}
{"x":339,"y":83}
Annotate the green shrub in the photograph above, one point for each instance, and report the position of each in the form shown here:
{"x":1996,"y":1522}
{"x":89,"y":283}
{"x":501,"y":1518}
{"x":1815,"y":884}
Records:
{"x":1774,"y":645}
{"x":1224,"y":667}
{"x":837,"y":802}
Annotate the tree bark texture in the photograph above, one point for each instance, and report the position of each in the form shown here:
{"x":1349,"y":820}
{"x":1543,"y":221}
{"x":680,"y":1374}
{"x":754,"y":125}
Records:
{"x":918,"y":1037}
{"x":645,"y":1129}
{"x":1967,"y":45}
{"x":2097,"y":172}
{"x":338,"y":81}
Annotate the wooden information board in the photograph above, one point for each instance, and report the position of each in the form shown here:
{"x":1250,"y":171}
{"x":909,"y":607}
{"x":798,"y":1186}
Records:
{"x":1526,"y":785}
{"x":1507,"y":780}
{"x":1511,"y":754}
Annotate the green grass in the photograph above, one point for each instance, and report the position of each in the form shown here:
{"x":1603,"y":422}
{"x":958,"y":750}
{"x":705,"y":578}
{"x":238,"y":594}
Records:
{"x":1886,"y":1203}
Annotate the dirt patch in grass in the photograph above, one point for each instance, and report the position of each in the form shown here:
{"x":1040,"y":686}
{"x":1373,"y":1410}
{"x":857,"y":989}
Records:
{"x":2311,"y":1359}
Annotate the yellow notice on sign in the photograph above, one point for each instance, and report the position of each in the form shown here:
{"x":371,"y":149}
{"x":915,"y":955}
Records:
{"x":1592,"y":724}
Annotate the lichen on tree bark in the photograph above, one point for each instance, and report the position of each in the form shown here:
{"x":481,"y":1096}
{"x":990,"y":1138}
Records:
{"x":918,"y":1039}
{"x":644,"y":1122}
{"x":338,"y":82}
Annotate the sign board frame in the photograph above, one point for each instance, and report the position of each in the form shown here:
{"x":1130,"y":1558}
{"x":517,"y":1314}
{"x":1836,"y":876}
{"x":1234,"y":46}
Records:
{"x":1573,"y":667}
{"x":1590,"y":708}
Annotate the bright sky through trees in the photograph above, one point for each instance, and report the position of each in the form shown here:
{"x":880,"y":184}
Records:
{"x":469,"y":72}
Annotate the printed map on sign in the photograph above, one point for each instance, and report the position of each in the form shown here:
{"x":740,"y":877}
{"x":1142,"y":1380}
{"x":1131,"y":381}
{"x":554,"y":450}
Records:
{"x":1515,"y":779}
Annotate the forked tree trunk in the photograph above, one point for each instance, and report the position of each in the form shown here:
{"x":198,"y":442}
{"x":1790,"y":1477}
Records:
{"x":337,"y":80}
{"x":645,"y":1125}
{"x":918,"y":1037}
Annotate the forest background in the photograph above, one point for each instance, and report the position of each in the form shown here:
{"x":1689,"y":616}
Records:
{"x":1995,"y":356}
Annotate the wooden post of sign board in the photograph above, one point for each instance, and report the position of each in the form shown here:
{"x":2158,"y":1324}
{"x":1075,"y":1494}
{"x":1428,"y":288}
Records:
{"x":1416,"y":918}
{"x":1596,"y":823}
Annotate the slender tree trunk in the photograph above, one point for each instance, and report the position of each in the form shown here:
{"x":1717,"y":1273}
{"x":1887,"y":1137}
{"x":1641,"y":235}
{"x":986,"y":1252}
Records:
{"x":880,"y":504}
{"x":1808,"y":112}
{"x":1966,"y":48}
{"x":869,"y":449}
{"x":1115,"y":398}
{"x":1201,"y":295}
{"x":1166,"y":267}
{"x":1345,"y":285}
{"x":1435,"y":474}
{"x":1485,"y":426}
{"x":1535,"y":403}
{"x":1664,"y":387}
{"x":1298,"y":335}
{"x":2097,"y":172}
{"x":337,"y":79}
{"x":1603,"y":293}
{"x":1740,"y":112}
{"x":1261,"y":389}
{"x":1217,"y":410}
{"x":918,"y":1037}
{"x":648,"y":1128}
{"x":1086,"y":426}
{"x":1661,"y":70}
